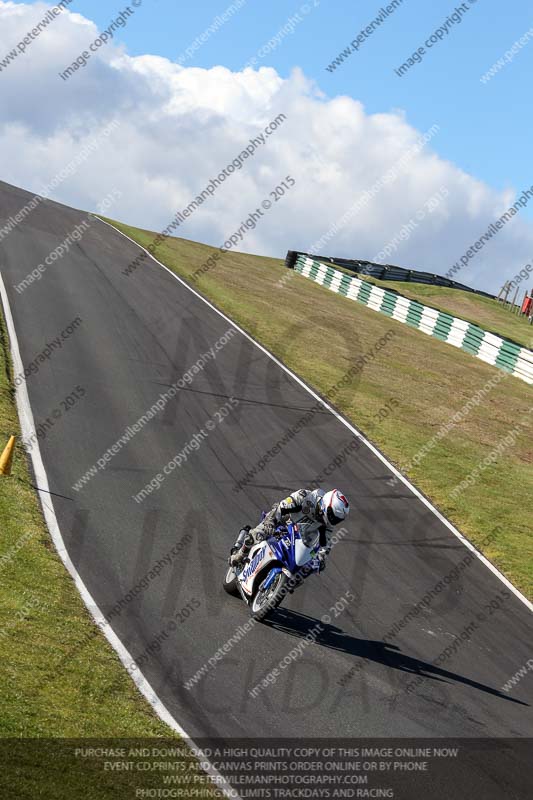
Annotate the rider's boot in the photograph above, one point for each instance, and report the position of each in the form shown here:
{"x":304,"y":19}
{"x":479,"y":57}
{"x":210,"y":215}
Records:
{"x":242,"y":546}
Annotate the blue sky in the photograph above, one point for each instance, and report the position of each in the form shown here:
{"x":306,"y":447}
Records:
{"x":181,"y":122}
{"x":485,"y":129}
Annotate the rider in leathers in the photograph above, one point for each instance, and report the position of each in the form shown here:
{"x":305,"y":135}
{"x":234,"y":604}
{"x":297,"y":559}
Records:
{"x":313,"y":510}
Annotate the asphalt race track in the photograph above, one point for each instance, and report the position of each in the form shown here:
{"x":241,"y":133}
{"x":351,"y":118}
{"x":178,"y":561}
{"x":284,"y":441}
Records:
{"x":138,"y":335}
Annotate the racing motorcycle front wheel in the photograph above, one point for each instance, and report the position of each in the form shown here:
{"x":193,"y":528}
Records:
{"x":269,"y":595}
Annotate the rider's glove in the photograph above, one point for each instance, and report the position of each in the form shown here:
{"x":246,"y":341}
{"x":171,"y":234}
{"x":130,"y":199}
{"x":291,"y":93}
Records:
{"x":268,"y":530}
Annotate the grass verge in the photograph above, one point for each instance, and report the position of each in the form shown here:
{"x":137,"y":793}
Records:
{"x":428,"y":380}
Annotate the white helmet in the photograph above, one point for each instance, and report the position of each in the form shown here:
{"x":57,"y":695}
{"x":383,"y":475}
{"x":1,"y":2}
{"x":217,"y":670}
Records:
{"x":333,"y":507}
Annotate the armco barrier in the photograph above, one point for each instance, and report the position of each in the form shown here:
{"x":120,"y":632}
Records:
{"x":490,"y":348}
{"x":388,"y":272}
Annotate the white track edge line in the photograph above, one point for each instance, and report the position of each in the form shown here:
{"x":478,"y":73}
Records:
{"x":28,"y":426}
{"x":467,"y":543}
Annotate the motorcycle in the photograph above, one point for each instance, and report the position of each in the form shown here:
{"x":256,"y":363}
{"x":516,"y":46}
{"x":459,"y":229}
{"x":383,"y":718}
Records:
{"x":273,"y":568}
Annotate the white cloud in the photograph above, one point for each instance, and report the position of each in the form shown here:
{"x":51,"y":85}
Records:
{"x":181,"y":126}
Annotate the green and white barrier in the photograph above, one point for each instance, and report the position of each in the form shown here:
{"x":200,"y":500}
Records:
{"x":490,"y":348}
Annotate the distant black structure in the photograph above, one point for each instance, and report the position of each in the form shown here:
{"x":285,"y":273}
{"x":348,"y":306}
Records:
{"x":387,"y":272}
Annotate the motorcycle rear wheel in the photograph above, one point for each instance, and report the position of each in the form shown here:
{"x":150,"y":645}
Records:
{"x":230,"y":582}
{"x":266,"y":601}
